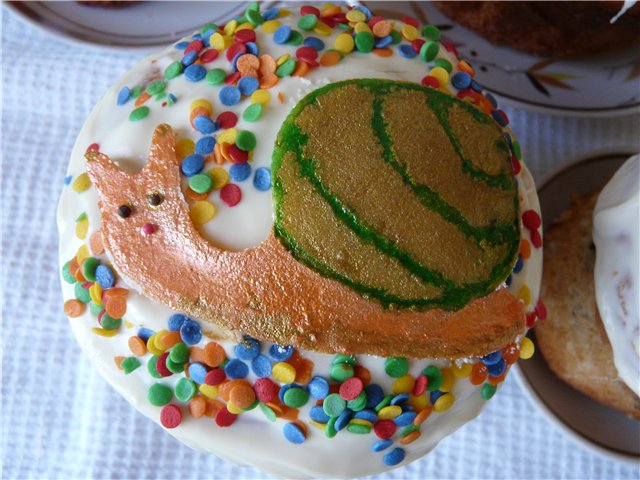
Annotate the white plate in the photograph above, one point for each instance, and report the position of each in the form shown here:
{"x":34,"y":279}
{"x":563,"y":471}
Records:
{"x":594,"y":426}
{"x":600,"y":86}
{"x":142,"y":25}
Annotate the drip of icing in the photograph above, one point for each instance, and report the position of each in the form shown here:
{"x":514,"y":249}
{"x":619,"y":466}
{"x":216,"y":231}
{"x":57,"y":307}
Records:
{"x":616,"y":233}
{"x":625,"y":7}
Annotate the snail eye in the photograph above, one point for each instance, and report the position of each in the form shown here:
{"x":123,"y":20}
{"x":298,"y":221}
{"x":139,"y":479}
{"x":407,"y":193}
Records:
{"x":155,"y":199}
{"x":124,"y":211}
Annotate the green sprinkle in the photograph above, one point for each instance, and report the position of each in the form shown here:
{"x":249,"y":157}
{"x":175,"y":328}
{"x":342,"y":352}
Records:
{"x":252,"y":406}
{"x":358,"y":403}
{"x":409,"y":429}
{"x":110,"y":323}
{"x":365,"y":42}
{"x":330,"y":428}
{"x":215,"y":76}
{"x":396,"y":38}
{"x":174,"y":367}
{"x":201,"y":183}
{"x":185,"y":389}
{"x":348,"y":359}
{"x":129,"y":364}
{"x":434,"y":375}
{"x":160,"y":96}
{"x":429,"y":51}
{"x":82,"y":293}
{"x":295,"y":38}
{"x":252,"y":113}
{"x":139,"y":113}
{"x":341,"y":372}
{"x":254,"y":17}
{"x":488,"y":391}
{"x":82,"y":216}
{"x":254,"y":6}
{"x":517,"y":152}
{"x":441,"y":62}
{"x":270,"y":414}
{"x":295,"y":397}
{"x":156,"y":87}
{"x":151,"y":367}
{"x":66,"y":275}
{"x":396,"y":367}
{"x":208,"y":26}
{"x":135,"y":93}
{"x":179,"y":353}
{"x":246,"y":140}
{"x":334,"y":405}
{"x":384,"y":402}
{"x":159,"y":395}
{"x":286,"y":68}
{"x":431,"y":32}
{"x":89,"y":268}
{"x":95,"y":308}
{"x":358,"y":428}
{"x":308,"y":22}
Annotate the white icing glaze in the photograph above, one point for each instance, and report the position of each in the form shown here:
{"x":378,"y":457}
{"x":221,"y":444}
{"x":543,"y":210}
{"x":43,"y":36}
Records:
{"x":616,"y":232}
{"x":627,"y":4}
{"x":346,"y":455}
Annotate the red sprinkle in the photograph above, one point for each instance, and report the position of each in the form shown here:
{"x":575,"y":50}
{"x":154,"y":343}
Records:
{"x":225,"y":418}
{"x":170,"y":416}
{"x":374,"y":20}
{"x":237,"y":155}
{"x":350,"y":388}
{"x":196,"y":46}
{"x":417,"y":44}
{"x":246,"y":35}
{"x":541,"y":310}
{"x":430,"y":81}
{"x":307,"y":53}
{"x":161,"y":365}
{"x":230,"y":194}
{"x":384,"y":428}
{"x":536,"y":238}
{"x":309,"y":10}
{"x":215,"y":376}
{"x":516,"y":165}
{"x":531,"y":319}
{"x":209,"y":55}
{"x":422,"y":382}
{"x":531,"y":219}
{"x":265,"y":390}
{"x":235,"y":49}
{"x":410,"y":21}
{"x":232,"y":78}
{"x":94,"y":147}
{"x":148,"y":228}
{"x":227,"y":120}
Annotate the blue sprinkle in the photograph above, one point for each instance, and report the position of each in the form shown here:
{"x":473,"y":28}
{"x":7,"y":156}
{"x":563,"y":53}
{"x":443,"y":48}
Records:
{"x":497,"y":369}
{"x":499,"y":118}
{"x":195,"y":73}
{"x":67,"y":179}
{"x":105,"y":276}
{"x":367,"y":414}
{"x":206,"y":35}
{"x":240,"y":171}
{"x":407,"y":51}
{"x":197,"y":372}
{"x":229,"y":95}
{"x":384,"y":41}
{"x":394,"y":457}
{"x":176,"y":321}
{"x":196,"y":36}
{"x":248,"y":349}
{"x":192,"y":165}
{"x":343,"y":420}
{"x":236,"y":369}
{"x":314,"y":42}
{"x":181,"y":45}
{"x":282,"y":34}
{"x":381,"y":445}
{"x":271,"y":14}
{"x":172,"y":99}
{"x":234,"y":62}
{"x":491,"y":99}
{"x":123,"y":95}
{"x":461,"y":80}
{"x":492,"y":358}
{"x":190,"y":332}
{"x":204,"y":124}
{"x":261,"y":366}
{"x":364,"y":10}
{"x":509,"y":280}
{"x":318,"y":387}
{"x":317,"y":414}
{"x":205,"y":145}
{"x":280,"y":353}
{"x":518,"y":266}
{"x":293,"y":433}
{"x":145,"y":333}
{"x":262,"y":179}
{"x":475,"y":86}
{"x":189,"y":58}
{"x":400,"y":398}
{"x":405,"y":419}
{"x":252,"y":48}
{"x":508,"y":139}
{"x":248,"y":85}
{"x":435,"y":395}
{"x":374,"y":393}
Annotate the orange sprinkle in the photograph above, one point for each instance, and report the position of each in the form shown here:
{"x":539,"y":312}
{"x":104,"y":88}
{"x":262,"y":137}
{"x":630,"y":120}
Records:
{"x":197,"y":354}
{"x":116,"y":307}
{"x":224,"y":389}
{"x":496,"y":380}
{"x":169,"y":339}
{"x":511,"y":353}
{"x":478,"y":373}
{"x":242,"y":396}
{"x":248,"y":63}
{"x":301,"y":69}
{"x":197,"y":406}
{"x":302,"y":426}
{"x":186,"y":369}
{"x":290,"y":413}
{"x":214,"y":354}
{"x":295,"y":360}
{"x":383,"y":52}
{"x":304,"y":371}
{"x":465,"y":67}
{"x":197,"y":112}
{"x":277,"y":409}
{"x":95,"y":243}
{"x":144,"y":96}
{"x":73,"y":308}
{"x":381,"y":29}
{"x":269,"y":80}
{"x":119,"y":361}
{"x":75,"y":270}
{"x":330,"y":12}
{"x":281,"y":97}
{"x":422,"y":416}
{"x":329,"y":59}
{"x":224,"y":151}
{"x":413,"y":436}
{"x":217,"y":153}
{"x":267,"y":66}
{"x":191,"y":195}
{"x":213,"y":407}
{"x":363,"y":374}
{"x":116,"y":292}
{"x":137,"y":346}
{"x":525,"y":249}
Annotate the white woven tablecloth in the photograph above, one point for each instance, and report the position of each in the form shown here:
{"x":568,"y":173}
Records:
{"x":61,"y":420}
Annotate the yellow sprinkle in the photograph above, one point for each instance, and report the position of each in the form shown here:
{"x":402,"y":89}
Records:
{"x":403,"y":384}
{"x":261,"y":96}
{"x":82,"y":226}
{"x":321,"y":426}
{"x":441,"y":74}
{"x":233,"y":409}
{"x":524,"y":294}
{"x":356,"y":16}
{"x":344,"y":43}
{"x":201,"y":102}
{"x":230,"y":27}
{"x":526,"y":348}
{"x":284,"y":13}
{"x":81,"y":183}
{"x":82,"y":254}
{"x":444,"y":403}
{"x":128,"y":324}
{"x":229,"y":136}
{"x":448,"y":380}
{"x":209,"y":391}
{"x":361,"y":421}
{"x":157,"y":342}
{"x":270,"y":26}
{"x":463,"y":370}
{"x":104,"y":333}
{"x":282,"y":59}
{"x":283,"y":372}
{"x":389,"y":412}
{"x":184,"y":148}
{"x":244,"y":26}
{"x":202,"y":212}
{"x":217,"y":41}
{"x":409,"y":32}
{"x":95,"y":292}
{"x":361,"y":27}
{"x":323,"y":29}
{"x":151,"y":345}
{"x":417,"y":403}
{"x":220,"y":177}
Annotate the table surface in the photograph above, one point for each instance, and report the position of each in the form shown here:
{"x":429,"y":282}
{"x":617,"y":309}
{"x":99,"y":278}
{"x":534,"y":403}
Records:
{"x":62,"y":420}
